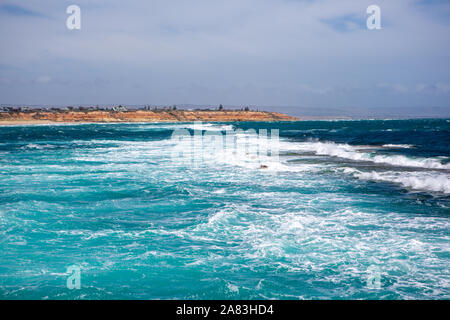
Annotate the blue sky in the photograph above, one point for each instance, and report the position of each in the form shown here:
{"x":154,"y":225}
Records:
{"x":305,"y":53}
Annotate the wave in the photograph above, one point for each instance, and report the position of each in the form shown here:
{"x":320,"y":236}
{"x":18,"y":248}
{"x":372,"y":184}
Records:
{"x":208,"y":127}
{"x":346,"y":151}
{"x":204,"y":126}
{"x":398,"y":146}
{"x":195,"y":126}
{"x":426,"y":181}
{"x":38,"y":146}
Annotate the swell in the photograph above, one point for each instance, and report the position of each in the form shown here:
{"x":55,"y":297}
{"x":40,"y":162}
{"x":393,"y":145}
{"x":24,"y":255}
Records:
{"x":356,"y":153}
{"x":426,"y":181}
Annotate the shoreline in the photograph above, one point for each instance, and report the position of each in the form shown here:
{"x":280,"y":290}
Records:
{"x":143,"y":116}
{"x":43,"y":123}
{"x":36,"y":117}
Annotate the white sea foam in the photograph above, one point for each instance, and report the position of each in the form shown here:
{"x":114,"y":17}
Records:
{"x":203,"y":126}
{"x":252,"y":152}
{"x":426,"y":181}
{"x":38,"y":146}
{"x":346,"y":151}
{"x":400,"y":146}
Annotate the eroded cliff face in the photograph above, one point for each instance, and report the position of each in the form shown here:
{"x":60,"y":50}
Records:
{"x":141,"y":116}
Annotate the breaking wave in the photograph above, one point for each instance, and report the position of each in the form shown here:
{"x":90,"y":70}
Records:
{"x":346,"y":151}
{"x":425,"y":181}
{"x":398,"y":146}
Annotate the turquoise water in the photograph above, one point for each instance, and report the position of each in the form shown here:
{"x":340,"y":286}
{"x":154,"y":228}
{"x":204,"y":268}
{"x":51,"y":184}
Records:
{"x":349,"y":209}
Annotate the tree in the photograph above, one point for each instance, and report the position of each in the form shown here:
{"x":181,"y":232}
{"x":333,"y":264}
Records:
{"x":221,"y":107}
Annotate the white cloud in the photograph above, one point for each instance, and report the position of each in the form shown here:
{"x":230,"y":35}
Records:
{"x":221,"y":45}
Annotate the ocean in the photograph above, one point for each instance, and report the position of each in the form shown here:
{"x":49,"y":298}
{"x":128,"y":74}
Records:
{"x":335,"y":210}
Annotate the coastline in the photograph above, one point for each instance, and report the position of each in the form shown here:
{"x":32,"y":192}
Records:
{"x":143,"y":116}
{"x":45,"y":122}
{"x":64,"y":117}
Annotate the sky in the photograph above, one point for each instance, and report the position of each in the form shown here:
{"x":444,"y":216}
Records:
{"x":316,"y":54}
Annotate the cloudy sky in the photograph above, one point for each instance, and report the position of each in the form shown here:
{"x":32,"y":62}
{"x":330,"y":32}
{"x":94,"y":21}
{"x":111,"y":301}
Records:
{"x":306,"y":53}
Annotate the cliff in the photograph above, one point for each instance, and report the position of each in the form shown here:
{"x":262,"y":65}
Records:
{"x":139,"y":116}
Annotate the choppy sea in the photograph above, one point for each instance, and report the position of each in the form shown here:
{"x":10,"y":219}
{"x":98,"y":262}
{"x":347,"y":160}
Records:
{"x":336,"y":210}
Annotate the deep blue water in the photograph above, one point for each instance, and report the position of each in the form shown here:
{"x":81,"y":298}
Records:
{"x":349,"y":209}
